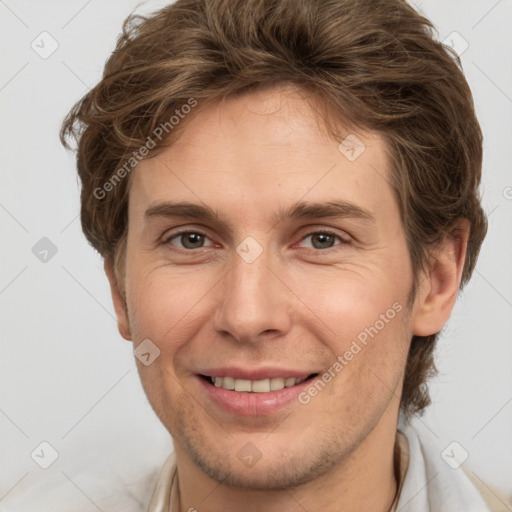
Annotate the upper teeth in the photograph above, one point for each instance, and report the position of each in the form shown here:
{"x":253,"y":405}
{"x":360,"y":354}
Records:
{"x":256,"y":386}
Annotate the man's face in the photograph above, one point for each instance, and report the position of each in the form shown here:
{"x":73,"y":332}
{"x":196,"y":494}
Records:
{"x":268,"y":289}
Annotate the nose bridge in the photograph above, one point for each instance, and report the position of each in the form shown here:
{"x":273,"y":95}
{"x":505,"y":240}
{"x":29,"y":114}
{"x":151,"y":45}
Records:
{"x":253,"y":300}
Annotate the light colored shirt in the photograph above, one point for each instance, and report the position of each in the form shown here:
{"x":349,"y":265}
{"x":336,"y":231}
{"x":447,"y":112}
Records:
{"x":426,"y":482}
{"x":429,"y":484}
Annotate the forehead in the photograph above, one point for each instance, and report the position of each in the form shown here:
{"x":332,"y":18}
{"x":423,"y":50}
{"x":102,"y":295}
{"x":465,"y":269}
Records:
{"x":259,"y":152}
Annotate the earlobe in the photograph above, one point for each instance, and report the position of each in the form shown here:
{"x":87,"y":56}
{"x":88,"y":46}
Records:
{"x":123,"y":325}
{"x":438,"y":290}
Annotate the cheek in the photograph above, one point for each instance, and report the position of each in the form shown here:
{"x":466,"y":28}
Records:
{"x":374,"y":354}
{"x":364,"y":323}
{"x":166,"y":306}
{"x":348,"y":302}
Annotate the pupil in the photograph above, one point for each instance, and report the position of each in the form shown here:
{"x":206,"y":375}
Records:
{"x":324,"y":239}
{"x":192,"y":240}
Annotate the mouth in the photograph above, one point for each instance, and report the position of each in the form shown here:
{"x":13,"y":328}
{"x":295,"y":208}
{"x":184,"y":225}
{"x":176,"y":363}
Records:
{"x":253,"y":398}
{"x":255,"y":386}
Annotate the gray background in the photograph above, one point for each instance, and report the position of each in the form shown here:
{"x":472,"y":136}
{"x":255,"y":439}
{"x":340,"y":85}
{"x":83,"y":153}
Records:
{"x":69,"y":379}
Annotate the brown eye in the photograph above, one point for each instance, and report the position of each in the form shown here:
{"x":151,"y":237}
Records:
{"x":322,"y":240}
{"x":188,"y":240}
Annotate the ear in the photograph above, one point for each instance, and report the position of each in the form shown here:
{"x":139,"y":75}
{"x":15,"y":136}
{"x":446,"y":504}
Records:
{"x":123,"y":325}
{"x":438,"y":290}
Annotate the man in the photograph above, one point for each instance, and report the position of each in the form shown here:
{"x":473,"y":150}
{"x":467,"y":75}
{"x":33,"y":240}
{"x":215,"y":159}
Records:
{"x":285,"y":194}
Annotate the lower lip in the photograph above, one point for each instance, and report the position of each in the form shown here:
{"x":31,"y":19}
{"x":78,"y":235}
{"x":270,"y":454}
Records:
{"x":253,"y":404}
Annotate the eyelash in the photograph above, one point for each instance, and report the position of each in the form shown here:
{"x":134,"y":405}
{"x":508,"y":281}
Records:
{"x":197,"y":232}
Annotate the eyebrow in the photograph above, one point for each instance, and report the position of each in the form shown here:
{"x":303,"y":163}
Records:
{"x":181,"y":209}
{"x":298,"y":210}
{"x":332,"y":209}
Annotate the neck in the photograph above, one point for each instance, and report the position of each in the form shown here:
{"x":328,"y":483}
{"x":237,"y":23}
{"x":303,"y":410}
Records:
{"x":364,"y":480}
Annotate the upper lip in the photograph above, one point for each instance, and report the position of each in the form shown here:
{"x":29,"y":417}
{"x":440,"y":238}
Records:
{"x":262,"y":373}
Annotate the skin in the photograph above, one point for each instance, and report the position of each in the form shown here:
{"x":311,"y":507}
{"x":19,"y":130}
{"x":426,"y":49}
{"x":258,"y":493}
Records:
{"x":298,"y":305}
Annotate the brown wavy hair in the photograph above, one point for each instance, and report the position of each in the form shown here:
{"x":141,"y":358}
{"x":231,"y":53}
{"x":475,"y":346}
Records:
{"x":369,"y":64}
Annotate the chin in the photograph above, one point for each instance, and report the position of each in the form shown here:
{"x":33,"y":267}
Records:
{"x":271,"y":472}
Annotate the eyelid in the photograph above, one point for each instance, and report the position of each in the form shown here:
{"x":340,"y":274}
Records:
{"x":183,"y":228}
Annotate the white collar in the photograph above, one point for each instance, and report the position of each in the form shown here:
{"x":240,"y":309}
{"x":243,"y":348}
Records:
{"x":430,"y":483}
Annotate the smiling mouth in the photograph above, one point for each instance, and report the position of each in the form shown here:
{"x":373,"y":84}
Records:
{"x":255,"y":386}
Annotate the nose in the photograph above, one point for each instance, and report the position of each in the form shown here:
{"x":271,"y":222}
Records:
{"x":254,"y":301}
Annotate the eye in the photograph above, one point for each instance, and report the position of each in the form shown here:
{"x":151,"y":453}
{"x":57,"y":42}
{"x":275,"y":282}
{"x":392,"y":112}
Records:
{"x":188,"y":240}
{"x":322,"y":240}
